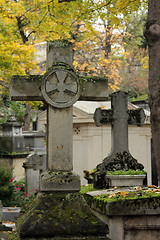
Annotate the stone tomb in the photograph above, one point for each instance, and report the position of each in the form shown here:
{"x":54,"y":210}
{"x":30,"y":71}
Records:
{"x":34,"y":141}
{"x":11,"y":139}
{"x":119,"y":117}
{"x":59,"y":212}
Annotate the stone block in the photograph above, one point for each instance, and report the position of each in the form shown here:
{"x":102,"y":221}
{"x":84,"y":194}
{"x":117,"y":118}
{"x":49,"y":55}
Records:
{"x":125,"y":180}
{"x":134,"y":219}
{"x":59,"y":181}
{"x":11,"y":213}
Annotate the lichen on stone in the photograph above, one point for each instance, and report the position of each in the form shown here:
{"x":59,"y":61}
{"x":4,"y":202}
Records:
{"x":59,"y":43}
{"x":60,"y":215}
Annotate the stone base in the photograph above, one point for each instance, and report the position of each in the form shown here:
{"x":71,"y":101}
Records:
{"x":64,"y":238}
{"x":59,"y":181}
{"x":119,"y":161}
{"x":60,"y":216}
{"x":125,"y":180}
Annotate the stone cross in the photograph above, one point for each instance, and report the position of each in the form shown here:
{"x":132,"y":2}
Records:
{"x":60,"y":87}
{"x":119,"y":117}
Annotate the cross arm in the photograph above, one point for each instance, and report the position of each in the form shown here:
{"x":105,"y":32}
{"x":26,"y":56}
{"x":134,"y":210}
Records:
{"x":28,"y":88}
{"x":94,"y":88}
{"x":103,"y":117}
{"x":136,"y":117}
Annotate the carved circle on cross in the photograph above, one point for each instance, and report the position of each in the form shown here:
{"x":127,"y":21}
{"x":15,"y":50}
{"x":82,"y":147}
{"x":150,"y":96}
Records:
{"x":60,"y":88}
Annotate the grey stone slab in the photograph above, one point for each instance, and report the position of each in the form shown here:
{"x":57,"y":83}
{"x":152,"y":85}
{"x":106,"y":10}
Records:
{"x":10,"y":214}
{"x":34,"y":141}
{"x":30,"y":91}
{"x":59,"y":182}
{"x":125,"y":180}
{"x":126,"y":207}
{"x":60,"y":139}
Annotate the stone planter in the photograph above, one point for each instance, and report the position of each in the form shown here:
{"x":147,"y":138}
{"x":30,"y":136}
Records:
{"x":125,"y":180}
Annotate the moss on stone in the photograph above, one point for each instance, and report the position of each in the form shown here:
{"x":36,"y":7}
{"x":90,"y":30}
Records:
{"x":59,"y":43}
{"x":92,"y":78}
{"x":28,"y":78}
{"x":60,"y":214}
{"x":135,"y":203}
{"x":60,"y":66}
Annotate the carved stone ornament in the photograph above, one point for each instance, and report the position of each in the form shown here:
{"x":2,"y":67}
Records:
{"x":60,"y":88}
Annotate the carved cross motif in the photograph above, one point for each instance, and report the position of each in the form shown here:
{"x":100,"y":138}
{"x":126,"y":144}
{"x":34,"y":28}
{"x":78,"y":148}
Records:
{"x":61,"y":88}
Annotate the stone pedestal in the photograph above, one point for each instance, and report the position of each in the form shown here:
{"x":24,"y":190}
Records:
{"x":60,"y":216}
{"x":59,"y":181}
{"x":125,"y":180}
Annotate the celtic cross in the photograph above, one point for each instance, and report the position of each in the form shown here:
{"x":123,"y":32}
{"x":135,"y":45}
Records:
{"x":60,"y":88}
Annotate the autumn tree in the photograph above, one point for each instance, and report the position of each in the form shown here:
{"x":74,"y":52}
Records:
{"x":134,"y":57}
{"x":24,"y":23}
{"x":152,"y":34}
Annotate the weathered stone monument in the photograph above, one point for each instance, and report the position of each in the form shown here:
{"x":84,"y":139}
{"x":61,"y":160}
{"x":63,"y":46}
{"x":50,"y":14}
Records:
{"x":34,"y":141}
{"x":119,"y":117}
{"x":60,"y":211}
{"x":35,"y":164}
{"x":11,"y":139}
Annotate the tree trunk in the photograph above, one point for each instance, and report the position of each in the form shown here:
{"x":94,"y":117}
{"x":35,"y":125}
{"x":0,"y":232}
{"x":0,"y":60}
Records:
{"x":152,"y":34}
{"x":107,"y":39}
{"x":27,"y":117}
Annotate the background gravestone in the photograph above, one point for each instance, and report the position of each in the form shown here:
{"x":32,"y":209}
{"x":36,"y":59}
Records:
{"x":11,"y":139}
{"x":34,"y":141}
{"x":119,"y":117}
{"x":35,"y":164}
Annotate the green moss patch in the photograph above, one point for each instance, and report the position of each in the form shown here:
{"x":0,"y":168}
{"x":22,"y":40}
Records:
{"x":60,"y":214}
{"x":120,"y":201}
{"x":128,"y":172}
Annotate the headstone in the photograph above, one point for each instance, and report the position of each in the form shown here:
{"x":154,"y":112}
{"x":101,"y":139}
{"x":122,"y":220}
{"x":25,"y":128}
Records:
{"x":11,"y":139}
{"x":119,"y":117}
{"x":35,"y":164}
{"x":60,"y":211}
{"x":34,"y":141}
